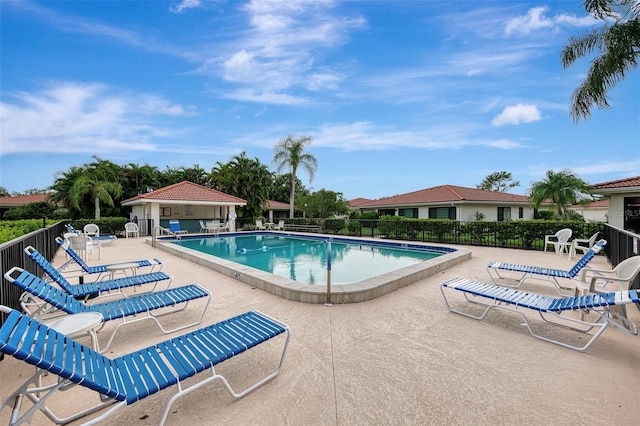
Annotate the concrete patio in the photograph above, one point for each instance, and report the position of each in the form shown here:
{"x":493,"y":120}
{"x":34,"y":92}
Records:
{"x":401,"y":359}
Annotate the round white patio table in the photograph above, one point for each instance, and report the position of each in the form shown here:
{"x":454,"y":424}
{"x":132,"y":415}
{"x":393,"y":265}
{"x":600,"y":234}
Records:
{"x":122,"y":267}
{"x":74,"y":325}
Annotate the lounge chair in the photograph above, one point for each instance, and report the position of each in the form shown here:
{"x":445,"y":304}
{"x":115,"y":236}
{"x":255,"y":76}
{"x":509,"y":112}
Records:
{"x":542,"y":273}
{"x":51,"y":299}
{"x":87,"y":289}
{"x":134,"y":376}
{"x":279,"y":226}
{"x":260,"y":226}
{"x":174,"y":226}
{"x":552,"y":310}
{"x":154,"y":264}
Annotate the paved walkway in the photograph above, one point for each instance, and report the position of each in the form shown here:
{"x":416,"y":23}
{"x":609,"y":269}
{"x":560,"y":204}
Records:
{"x":402,"y":359}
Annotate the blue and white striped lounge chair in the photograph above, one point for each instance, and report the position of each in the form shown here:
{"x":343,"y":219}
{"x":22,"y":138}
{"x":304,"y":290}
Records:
{"x":134,"y":376}
{"x":542,"y":273}
{"x":551,"y":309}
{"x":154,"y":264}
{"x":87,"y":289}
{"x":57,"y":300}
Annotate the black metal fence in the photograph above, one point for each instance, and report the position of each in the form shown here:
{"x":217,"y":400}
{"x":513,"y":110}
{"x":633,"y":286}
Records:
{"x":529,"y":235}
{"x":621,"y":245}
{"x":12,"y":254}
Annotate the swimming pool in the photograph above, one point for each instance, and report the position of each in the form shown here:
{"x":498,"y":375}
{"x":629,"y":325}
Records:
{"x":295,"y":267}
{"x":305,"y":260}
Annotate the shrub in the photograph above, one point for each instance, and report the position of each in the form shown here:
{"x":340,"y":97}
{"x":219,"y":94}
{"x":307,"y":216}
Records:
{"x":10,"y":229}
{"x":333,"y":225}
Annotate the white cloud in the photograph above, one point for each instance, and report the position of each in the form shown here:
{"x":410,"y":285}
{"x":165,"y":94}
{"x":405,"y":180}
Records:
{"x":72,"y":118}
{"x":276,"y":54}
{"x":186,"y":4}
{"x":631,"y":167}
{"x":536,"y":19}
{"x":517,"y":114}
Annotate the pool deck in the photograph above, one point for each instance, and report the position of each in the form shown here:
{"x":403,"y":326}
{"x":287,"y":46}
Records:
{"x":399,"y":359}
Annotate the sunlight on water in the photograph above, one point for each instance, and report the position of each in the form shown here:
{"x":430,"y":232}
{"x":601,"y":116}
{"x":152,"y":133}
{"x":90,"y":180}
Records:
{"x":305,"y":260}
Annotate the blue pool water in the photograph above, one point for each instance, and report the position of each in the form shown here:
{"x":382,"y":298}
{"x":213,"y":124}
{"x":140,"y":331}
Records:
{"x":305,"y":259}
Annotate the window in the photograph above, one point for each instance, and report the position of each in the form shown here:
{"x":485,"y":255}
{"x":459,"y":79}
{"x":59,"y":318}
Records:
{"x":166,"y":211}
{"x":504,"y":213}
{"x":408,"y":212}
{"x":632,"y":214}
{"x":442,"y":213}
{"x":387,"y":212}
{"x":520,"y":212}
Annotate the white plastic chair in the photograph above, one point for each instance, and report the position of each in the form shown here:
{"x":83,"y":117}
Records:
{"x":84,"y":245}
{"x":259,"y":225}
{"x":91,"y":230}
{"x":582,"y":244}
{"x":131,"y":228}
{"x":595,"y":281}
{"x":279,"y":226}
{"x":558,"y":240}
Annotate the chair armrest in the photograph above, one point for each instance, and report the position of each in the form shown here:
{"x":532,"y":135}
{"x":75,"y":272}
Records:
{"x":599,"y":272}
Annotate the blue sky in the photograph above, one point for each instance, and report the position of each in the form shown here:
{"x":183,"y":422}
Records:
{"x":398,"y":95}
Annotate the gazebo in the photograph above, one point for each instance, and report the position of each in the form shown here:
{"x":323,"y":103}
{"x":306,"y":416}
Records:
{"x":185,"y":201}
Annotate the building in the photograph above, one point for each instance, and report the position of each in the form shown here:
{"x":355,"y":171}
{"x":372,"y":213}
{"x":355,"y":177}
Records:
{"x":185,"y":201}
{"x":454,"y":202}
{"x":624,"y":202}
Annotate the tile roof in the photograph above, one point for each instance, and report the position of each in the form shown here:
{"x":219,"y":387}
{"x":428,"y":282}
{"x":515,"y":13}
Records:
{"x":187,"y":191}
{"x":21,"y":200}
{"x":357,"y":202}
{"x":278,"y":205}
{"x":620,"y":183}
{"x":592,"y":205}
{"x":447,"y":194}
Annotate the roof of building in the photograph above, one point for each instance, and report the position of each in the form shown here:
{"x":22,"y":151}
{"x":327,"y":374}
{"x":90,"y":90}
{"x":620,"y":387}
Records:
{"x":278,"y":205}
{"x":448,"y":194}
{"x":357,"y":202}
{"x":620,"y":183}
{"x":21,"y":200}
{"x":187,"y":191}
{"x":600,"y":204}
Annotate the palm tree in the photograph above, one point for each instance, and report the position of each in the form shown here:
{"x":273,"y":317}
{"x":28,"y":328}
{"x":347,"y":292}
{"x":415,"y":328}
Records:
{"x":97,"y":184}
{"x":618,"y":45}
{"x":289,"y":152}
{"x":564,"y":188}
{"x":247,"y":179}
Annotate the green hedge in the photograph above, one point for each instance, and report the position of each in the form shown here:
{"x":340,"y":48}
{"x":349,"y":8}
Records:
{"x":10,"y":229}
{"x":107,"y":225}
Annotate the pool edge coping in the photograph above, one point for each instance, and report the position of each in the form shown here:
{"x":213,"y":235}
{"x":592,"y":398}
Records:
{"x":362,"y":291}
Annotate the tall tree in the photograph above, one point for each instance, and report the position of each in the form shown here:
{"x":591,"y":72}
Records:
{"x":563,"y":188}
{"x":324,"y":203}
{"x":290,"y":153}
{"x":280,"y":190}
{"x":498,"y":182}
{"x":99,"y":181}
{"x":245,"y":178}
{"x":63,"y":186}
{"x":617,"y":43}
{"x":140,"y":179}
